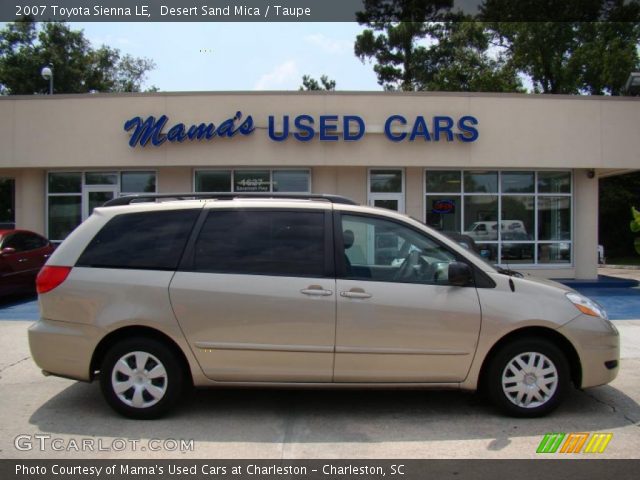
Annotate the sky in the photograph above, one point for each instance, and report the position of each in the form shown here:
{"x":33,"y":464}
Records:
{"x":192,"y":56}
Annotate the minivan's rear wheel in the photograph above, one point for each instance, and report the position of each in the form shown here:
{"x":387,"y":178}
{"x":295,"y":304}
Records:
{"x":141,"y":378}
{"x":528,"y":378}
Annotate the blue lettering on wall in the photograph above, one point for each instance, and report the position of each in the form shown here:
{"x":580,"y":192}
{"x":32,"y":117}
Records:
{"x":273,"y":135}
{"x":152,"y":130}
{"x":420,"y":129}
{"x":395,"y":137}
{"x":304,"y":125}
{"x":443,"y":125}
{"x":469,"y":133}
{"x":348,"y":134}
{"x":303,"y":128}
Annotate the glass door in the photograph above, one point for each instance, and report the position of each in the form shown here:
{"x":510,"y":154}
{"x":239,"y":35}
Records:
{"x":386,"y":188}
{"x":96,"y":196}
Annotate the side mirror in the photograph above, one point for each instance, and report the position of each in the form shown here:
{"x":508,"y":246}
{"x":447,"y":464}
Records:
{"x":7,"y":251}
{"x":459,"y":274}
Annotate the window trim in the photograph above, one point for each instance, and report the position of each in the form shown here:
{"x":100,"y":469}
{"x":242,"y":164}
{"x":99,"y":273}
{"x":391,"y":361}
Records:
{"x":536,"y":194}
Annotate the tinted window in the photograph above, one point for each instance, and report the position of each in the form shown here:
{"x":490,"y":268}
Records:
{"x":262,"y":243}
{"x":16,"y":241}
{"x":32,"y":241}
{"x":145,"y":240}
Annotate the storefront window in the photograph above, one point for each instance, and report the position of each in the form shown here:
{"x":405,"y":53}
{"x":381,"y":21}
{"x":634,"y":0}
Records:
{"x":65,"y":214}
{"x":554,"y":218}
{"x":481,"y":217}
{"x":138,"y":182}
{"x":65,"y":182}
{"x":213,"y":181}
{"x":252,"y":181}
{"x":7,"y":202}
{"x":291,"y":181}
{"x":518,"y":182}
{"x":72,"y":196}
{"x":518,"y":218}
{"x":481,"y":182}
{"x":444,"y":181}
{"x":101,"y":178}
{"x":533,"y":208}
{"x":386,"y":181}
{"x":444,"y":212}
{"x":554,"y":182}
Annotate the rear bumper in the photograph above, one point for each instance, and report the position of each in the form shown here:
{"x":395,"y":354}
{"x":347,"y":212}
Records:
{"x":63,"y":349}
{"x":597,"y":342}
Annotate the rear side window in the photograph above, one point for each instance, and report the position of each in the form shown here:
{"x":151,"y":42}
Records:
{"x":288,"y":243}
{"x":145,"y":240}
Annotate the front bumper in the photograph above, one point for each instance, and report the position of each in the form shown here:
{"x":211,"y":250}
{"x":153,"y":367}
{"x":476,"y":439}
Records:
{"x":62,"y":348}
{"x":597,"y":342}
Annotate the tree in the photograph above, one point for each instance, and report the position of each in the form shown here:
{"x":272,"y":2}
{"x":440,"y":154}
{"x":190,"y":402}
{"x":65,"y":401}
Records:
{"x":25,"y":47}
{"x":311,"y":84}
{"x":424,"y":46}
{"x":395,"y":28}
{"x":591,"y":49}
{"x":459,"y":60}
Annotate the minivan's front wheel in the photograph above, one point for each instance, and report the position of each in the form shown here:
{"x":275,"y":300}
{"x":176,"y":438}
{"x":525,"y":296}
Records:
{"x":528,"y":378}
{"x":141,"y":378}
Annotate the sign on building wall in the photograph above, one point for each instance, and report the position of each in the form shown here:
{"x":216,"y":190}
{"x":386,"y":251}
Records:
{"x":303,"y":128}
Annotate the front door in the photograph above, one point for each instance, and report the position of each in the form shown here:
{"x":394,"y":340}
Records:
{"x":96,"y":196}
{"x":398,"y":320}
{"x":255,"y":295}
{"x":386,"y":189}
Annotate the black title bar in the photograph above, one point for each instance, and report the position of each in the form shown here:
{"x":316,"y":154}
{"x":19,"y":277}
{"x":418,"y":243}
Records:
{"x":319,"y":10}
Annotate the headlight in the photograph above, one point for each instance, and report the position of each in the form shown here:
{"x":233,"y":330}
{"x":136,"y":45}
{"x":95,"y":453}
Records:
{"x":586,"y":305}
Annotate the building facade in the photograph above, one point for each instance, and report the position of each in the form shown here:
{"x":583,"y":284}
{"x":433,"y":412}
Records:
{"x":517,"y":173}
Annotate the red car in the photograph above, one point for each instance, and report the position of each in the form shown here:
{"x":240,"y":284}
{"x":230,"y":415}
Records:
{"x":22,"y":254}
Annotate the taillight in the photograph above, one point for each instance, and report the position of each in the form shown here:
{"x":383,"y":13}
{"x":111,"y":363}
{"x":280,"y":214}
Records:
{"x":50,"y":277}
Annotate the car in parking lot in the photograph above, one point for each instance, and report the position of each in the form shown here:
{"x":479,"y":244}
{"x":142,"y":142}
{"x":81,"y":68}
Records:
{"x":221,"y":290}
{"x":22,"y":255}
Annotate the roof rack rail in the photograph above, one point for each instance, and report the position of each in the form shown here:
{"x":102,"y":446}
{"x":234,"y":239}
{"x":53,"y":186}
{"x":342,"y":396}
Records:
{"x":150,"y":197}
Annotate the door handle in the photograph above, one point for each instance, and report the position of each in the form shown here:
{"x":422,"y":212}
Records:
{"x":20,"y":260}
{"x":316,"y":290}
{"x":355,"y":293}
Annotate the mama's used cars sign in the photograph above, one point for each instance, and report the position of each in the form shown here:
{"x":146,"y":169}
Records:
{"x":303,"y":128}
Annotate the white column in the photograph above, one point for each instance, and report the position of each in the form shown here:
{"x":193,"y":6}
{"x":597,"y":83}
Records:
{"x":585,"y":225}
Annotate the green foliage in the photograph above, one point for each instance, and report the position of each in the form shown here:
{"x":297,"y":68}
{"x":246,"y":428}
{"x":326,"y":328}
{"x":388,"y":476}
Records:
{"x":591,"y":52}
{"x":590,"y":49}
{"x":393,"y":45}
{"x":617,"y":194}
{"x":26,"y":47}
{"x":459,"y":61}
{"x":311,"y":84}
{"x":635,"y":227}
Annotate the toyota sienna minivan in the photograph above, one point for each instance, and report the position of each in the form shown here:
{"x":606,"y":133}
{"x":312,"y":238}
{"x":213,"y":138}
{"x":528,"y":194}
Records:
{"x":154,"y":297}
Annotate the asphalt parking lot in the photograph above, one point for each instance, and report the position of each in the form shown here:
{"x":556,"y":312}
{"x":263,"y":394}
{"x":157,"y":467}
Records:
{"x":70,"y":419}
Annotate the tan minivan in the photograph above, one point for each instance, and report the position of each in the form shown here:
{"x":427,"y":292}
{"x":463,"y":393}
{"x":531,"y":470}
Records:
{"x":311,"y":291}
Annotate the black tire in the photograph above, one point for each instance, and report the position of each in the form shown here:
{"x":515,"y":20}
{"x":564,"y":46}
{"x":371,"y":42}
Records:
{"x":154,"y":396}
{"x":537,"y":394}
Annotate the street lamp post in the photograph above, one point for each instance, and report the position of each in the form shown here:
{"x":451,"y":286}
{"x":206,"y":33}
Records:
{"x":47,"y":74}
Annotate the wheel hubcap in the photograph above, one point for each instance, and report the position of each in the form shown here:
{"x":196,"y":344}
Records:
{"x":139,"y":379}
{"x":529,"y":380}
